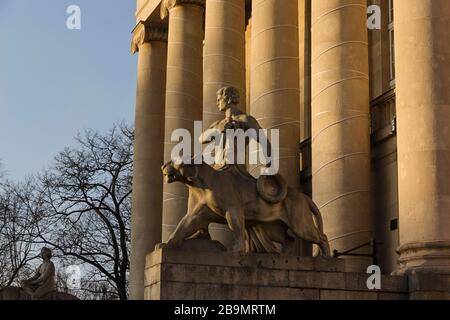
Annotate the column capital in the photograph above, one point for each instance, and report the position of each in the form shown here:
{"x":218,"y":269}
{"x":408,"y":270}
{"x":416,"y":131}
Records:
{"x":166,"y":5}
{"x":146,"y":32}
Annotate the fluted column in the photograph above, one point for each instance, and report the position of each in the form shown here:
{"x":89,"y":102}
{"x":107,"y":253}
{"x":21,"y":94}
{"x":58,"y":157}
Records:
{"x":423,"y":112}
{"x":224,"y":53}
{"x":146,"y":219}
{"x":274,"y":92}
{"x":340,"y":122}
{"x":183,"y":91}
{"x":224,"y":65}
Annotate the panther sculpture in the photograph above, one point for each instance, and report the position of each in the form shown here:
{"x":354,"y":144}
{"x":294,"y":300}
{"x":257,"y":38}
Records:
{"x":231,"y":196}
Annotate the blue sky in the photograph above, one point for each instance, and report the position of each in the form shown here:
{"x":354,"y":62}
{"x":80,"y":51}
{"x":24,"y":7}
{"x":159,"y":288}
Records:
{"x":55,"y":82}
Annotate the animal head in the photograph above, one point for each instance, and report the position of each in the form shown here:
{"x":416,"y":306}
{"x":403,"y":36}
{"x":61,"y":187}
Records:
{"x":181,"y":172}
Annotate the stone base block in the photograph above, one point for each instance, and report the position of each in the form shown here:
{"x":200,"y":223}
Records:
{"x":184,"y":275}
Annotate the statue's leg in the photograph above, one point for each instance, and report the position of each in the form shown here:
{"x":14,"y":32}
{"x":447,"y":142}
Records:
{"x":236,"y":222}
{"x":39,"y":293}
{"x":315,"y":236}
{"x":324,"y":246}
{"x":190,"y":224}
{"x":29,"y":288}
{"x":202,"y":234}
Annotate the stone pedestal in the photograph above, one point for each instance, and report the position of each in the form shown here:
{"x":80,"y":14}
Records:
{"x":186,"y":275}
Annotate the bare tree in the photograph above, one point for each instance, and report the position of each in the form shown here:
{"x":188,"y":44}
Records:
{"x":2,"y":173}
{"x":87,"y":206}
{"x":18,"y":205}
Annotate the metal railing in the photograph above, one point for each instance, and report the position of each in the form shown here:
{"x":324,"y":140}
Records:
{"x":350,"y":252}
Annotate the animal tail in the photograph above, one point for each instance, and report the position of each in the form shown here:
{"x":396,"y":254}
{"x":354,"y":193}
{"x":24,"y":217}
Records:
{"x":316,"y":214}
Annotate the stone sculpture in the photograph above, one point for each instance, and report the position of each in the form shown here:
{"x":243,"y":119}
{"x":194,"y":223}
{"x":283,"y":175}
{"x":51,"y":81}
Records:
{"x":41,"y":286}
{"x":17,"y":293}
{"x":264,"y":214}
{"x":228,"y":102}
{"x":229,"y":196}
{"x":43,"y":280}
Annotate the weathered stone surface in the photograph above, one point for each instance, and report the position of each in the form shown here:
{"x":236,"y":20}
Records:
{"x":394,"y":283}
{"x":154,"y":258}
{"x":392,"y":296}
{"x":276,"y":293}
{"x":329,"y":264}
{"x":224,"y":275}
{"x":429,"y":295}
{"x":177,"y":291}
{"x":279,"y":278}
{"x":202,"y":245}
{"x":152,"y":275}
{"x":301,"y":279}
{"x":270,"y":261}
{"x":429,"y":282}
{"x":207,"y":274}
{"x":266,"y":261}
{"x":326,"y":280}
{"x":361,"y":295}
{"x":356,"y":281}
{"x":152,"y":292}
{"x":225,"y":292}
{"x":175,"y":274}
{"x":333,"y":295}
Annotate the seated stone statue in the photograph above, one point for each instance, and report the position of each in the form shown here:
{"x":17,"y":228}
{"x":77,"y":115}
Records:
{"x":260,"y":212}
{"x":43,"y":281}
{"x":228,"y":103}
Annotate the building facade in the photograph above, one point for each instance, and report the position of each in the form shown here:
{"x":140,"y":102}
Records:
{"x":363,"y":114}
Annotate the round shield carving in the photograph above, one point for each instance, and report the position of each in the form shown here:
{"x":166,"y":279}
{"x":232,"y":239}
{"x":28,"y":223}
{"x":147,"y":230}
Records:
{"x":272,"y":188}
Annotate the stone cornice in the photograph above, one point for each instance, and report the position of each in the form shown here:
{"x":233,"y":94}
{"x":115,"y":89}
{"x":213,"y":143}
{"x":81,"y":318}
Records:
{"x":145,"y":33}
{"x":166,"y":5}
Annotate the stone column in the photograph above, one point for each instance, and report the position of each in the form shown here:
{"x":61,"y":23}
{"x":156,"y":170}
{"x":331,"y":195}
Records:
{"x":274,"y":89}
{"x":423,"y":112}
{"x":224,"y":65}
{"x":224,"y":53}
{"x":340,"y":122}
{"x":146,"y":219}
{"x":183,"y":91}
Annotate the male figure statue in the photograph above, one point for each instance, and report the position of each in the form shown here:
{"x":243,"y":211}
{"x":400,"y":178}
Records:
{"x":43,"y":282}
{"x":235,"y":119}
